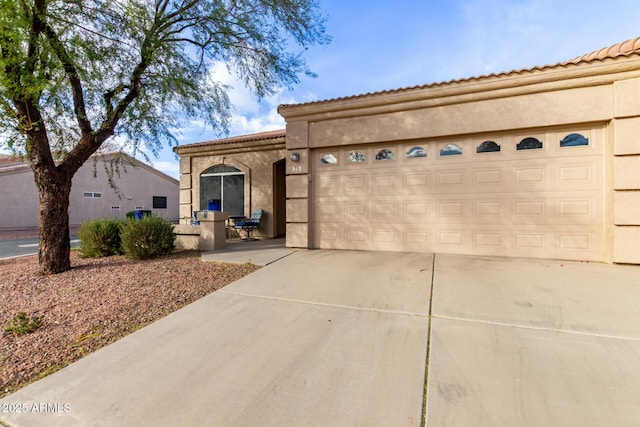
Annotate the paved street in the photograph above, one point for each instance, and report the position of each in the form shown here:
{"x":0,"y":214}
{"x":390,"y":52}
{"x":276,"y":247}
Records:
{"x":27,"y":246}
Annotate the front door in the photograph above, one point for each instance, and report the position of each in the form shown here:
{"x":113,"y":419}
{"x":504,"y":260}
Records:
{"x":279,"y":198}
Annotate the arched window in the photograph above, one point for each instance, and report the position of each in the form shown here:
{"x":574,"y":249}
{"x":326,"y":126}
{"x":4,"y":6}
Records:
{"x":223,"y":185}
{"x":574,"y":140}
{"x":385,"y":155}
{"x":487,"y":147}
{"x":328,"y":159}
{"x":415,"y":152}
{"x":450,"y":150}
{"x":355,"y":157}
{"x":529,"y":144}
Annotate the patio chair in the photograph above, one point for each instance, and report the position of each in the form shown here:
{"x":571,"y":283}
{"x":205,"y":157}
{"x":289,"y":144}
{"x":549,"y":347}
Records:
{"x":252,"y":223}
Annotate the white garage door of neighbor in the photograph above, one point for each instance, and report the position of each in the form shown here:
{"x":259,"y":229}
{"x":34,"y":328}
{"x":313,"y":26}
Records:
{"x":529,"y":194}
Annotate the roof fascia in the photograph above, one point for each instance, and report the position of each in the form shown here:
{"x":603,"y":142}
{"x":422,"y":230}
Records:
{"x":216,"y":148}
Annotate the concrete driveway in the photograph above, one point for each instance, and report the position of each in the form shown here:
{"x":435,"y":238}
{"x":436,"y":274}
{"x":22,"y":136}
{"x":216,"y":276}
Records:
{"x":342,"y":338}
{"x":534,"y":343}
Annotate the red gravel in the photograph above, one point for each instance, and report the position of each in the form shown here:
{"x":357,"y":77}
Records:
{"x":94,"y":304}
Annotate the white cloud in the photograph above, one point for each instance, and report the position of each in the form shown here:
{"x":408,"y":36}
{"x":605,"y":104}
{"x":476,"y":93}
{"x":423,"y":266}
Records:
{"x":242,"y":99}
{"x":249,"y":114}
{"x":271,"y":120}
{"x":170,"y":168}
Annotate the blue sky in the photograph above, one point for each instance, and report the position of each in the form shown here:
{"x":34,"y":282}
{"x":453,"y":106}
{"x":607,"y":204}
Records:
{"x":379,"y":45}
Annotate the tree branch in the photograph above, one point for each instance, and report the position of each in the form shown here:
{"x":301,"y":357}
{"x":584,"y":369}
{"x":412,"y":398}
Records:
{"x":35,"y":29}
{"x":74,"y":79}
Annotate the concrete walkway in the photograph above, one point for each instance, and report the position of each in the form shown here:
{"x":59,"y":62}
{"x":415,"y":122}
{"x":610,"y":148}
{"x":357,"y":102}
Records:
{"x":324,"y":338}
{"x":259,"y":252}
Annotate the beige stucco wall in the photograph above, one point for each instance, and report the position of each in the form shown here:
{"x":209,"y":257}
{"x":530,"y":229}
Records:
{"x":255,"y":158}
{"x":19,"y":203}
{"x":626,"y":175}
{"x":603,"y":93}
{"x":137,"y":186}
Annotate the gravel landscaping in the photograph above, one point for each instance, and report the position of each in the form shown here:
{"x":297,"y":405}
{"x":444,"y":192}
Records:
{"x":94,"y":304}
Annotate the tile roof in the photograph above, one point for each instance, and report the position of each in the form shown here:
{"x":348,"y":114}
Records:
{"x":11,"y":164}
{"x":274,"y":134}
{"x":626,"y":48}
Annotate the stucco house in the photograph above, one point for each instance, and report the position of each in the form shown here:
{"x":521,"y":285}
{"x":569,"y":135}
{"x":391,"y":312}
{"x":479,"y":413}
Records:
{"x":92,"y":196}
{"x":542,"y":162}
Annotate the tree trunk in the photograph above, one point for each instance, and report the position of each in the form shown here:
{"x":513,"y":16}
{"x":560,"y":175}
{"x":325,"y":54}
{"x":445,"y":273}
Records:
{"x":54,"y":190}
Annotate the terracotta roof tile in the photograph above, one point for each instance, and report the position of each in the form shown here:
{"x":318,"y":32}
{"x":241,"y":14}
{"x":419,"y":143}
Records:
{"x":626,"y":48}
{"x":274,"y":134}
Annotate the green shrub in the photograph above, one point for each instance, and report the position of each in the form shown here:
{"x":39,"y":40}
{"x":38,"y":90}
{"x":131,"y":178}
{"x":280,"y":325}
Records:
{"x":100,"y":238}
{"x":149,"y":237}
{"x":131,"y":215}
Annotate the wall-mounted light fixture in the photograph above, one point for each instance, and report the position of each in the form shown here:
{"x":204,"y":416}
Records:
{"x":295,"y":157}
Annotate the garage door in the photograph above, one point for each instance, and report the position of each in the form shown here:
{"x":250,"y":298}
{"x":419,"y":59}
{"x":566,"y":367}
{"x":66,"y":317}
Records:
{"x":534,"y":194}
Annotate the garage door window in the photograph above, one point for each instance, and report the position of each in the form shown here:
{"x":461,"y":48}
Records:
{"x":385,"y":155}
{"x":329,"y":159}
{"x":451,"y":150}
{"x":356,"y":157}
{"x":529,"y":144}
{"x":487,"y":147}
{"x":574,"y":140}
{"x":416,"y":152}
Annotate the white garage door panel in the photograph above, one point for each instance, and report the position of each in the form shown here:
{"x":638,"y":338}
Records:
{"x":545,"y":203}
{"x":547,"y":208}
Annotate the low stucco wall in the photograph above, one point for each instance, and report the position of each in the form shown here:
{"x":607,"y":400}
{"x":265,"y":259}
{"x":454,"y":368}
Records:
{"x":209,"y":235}
{"x":187,"y":237}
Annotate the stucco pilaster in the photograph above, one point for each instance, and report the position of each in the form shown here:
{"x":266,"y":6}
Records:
{"x":626,"y":172}
{"x":185,"y":213}
{"x":627,"y":136}
{"x":297,"y":211}
{"x":297,"y":235}
{"x":185,"y":204}
{"x":298,"y":185}
{"x":626,"y":100}
{"x":185,"y":181}
{"x":297,"y":135}
{"x":627,"y":244}
{"x":627,"y":208}
{"x":185,"y":165}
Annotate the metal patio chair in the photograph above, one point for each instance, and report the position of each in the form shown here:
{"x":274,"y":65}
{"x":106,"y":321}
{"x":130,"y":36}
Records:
{"x":252,"y":223}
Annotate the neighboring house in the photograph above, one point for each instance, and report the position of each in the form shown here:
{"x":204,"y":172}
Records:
{"x":139,"y":187}
{"x":542,"y":162}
